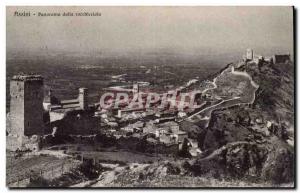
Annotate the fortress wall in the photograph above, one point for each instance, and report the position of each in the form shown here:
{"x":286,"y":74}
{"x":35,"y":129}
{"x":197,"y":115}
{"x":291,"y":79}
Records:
{"x":77,"y":122}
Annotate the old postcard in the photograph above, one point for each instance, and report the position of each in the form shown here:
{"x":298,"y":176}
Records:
{"x":150,"y":97}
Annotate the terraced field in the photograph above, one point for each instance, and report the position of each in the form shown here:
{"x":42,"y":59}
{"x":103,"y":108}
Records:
{"x":21,"y":169}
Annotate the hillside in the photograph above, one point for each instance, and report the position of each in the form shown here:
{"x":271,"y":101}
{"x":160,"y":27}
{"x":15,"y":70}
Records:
{"x":244,"y":145}
{"x":247,"y":145}
{"x":262,"y":133}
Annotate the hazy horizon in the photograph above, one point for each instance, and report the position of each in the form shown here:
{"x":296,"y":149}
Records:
{"x":184,"y":30}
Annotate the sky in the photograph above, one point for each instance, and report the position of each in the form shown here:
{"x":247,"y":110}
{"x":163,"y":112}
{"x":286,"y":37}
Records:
{"x":146,"y":29}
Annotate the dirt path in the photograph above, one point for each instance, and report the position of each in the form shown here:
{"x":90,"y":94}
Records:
{"x":232,"y":71}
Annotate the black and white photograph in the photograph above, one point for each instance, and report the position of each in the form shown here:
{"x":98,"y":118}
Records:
{"x":150,"y":97}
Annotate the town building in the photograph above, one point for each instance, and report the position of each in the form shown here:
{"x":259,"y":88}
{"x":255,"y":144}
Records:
{"x":135,"y":89}
{"x":122,"y":112}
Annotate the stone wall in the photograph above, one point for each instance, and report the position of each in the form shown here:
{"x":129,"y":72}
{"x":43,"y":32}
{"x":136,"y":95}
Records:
{"x":33,"y":108}
{"x":77,"y":122}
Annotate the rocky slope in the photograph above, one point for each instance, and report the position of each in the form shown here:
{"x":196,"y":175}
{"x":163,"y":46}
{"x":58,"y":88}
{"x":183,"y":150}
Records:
{"x":254,"y":141}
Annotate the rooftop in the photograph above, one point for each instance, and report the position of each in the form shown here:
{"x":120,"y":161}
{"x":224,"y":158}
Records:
{"x":70,"y":106}
{"x":27,"y":77}
{"x":70,"y":101}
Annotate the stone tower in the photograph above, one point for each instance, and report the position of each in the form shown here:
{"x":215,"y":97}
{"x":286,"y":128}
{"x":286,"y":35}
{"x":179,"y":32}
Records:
{"x":249,"y":54}
{"x":26,"y":107}
{"x":83,"y":98}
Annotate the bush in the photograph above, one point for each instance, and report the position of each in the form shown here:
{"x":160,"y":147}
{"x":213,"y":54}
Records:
{"x":38,"y":181}
{"x":89,"y":169}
